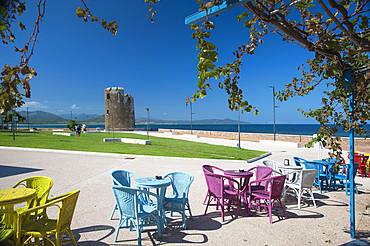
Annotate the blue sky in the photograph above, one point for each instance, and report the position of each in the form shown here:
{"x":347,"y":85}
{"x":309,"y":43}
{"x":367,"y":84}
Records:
{"x":155,"y":63}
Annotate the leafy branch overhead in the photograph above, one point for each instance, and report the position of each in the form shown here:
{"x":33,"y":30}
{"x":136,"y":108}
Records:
{"x":338,"y":34}
{"x":13,"y":76}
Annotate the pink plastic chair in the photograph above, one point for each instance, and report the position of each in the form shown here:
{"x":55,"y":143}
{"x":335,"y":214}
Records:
{"x":221,"y":196}
{"x":212,"y":169}
{"x":272,"y":192}
{"x":260,"y":172}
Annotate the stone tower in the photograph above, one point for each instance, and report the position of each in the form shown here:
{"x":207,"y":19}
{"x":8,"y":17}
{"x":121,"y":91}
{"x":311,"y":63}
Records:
{"x":119,"y":109}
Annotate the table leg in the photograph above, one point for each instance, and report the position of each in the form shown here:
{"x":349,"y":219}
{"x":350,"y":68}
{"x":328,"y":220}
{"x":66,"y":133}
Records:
{"x":162,"y":216}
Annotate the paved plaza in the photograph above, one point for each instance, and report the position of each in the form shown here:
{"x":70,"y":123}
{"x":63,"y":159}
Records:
{"x":328,"y":224}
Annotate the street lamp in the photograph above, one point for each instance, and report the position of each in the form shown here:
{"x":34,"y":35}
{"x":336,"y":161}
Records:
{"x":147,"y":123}
{"x":191,"y":115}
{"x":274,"y":107}
{"x":239,"y":127}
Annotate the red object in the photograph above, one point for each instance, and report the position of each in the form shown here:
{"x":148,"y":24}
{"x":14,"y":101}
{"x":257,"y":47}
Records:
{"x":361,"y":160}
{"x":362,"y":166}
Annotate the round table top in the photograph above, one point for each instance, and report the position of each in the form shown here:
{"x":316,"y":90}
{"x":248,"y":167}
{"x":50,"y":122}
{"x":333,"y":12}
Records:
{"x":237,"y":173}
{"x":152,"y":182}
{"x":16,"y":195}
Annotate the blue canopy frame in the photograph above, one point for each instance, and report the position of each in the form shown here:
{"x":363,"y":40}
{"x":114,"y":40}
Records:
{"x":214,"y":10}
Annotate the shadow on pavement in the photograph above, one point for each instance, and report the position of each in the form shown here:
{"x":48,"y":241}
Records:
{"x":105,"y":231}
{"x":6,"y":171}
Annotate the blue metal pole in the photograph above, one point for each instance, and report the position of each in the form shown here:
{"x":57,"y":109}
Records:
{"x":349,"y":80}
{"x":214,"y":10}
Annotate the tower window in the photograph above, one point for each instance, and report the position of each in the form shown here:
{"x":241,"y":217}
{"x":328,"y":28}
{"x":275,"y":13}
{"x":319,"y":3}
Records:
{"x":108,"y":96}
{"x":107,"y":111}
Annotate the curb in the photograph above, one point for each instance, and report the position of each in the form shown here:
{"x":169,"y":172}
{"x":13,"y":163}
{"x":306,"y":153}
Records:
{"x":259,"y":157}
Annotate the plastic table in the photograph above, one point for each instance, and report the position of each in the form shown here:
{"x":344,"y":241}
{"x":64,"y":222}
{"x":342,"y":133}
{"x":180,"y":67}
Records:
{"x":244,"y":177}
{"x":160,"y":185}
{"x":11,"y":197}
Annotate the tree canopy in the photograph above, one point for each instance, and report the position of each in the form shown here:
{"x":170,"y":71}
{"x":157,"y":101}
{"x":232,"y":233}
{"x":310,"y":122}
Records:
{"x":335,"y":31}
{"x":338,"y":34}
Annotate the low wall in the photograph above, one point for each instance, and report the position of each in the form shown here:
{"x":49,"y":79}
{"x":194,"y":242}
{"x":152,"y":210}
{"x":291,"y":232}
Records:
{"x":361,"y":144}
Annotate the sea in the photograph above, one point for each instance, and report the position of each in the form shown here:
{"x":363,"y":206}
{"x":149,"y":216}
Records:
{"x":289,"y":129}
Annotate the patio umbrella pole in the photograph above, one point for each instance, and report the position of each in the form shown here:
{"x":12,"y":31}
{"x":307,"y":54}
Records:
{"x":348,"y":77}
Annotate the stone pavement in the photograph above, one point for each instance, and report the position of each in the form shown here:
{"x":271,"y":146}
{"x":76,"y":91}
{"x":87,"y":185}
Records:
{"x":328,"y":224}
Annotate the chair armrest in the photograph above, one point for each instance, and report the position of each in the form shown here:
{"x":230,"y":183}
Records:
{"x":34,"y":209}
{"x":233,"y":180}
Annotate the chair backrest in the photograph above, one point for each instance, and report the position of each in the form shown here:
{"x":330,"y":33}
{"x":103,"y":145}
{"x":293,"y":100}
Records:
{"x":261,"y":172}
{"x":212,"y":169}
{"x":299,"y":161}
{"x":216,"y":184}
{"x":277,"y":186}
{"x":357,"y":157}
{"x":316,"y":166}
{"x":307,"y":178}
{"x":180,"y":184}
{"x":346,"y":170}
{"x":270,"y":163}
{"x":41,"y":184}
{"x":66,"y":210}
{"x":122,"y":177}
{"x":364,"y":160}
{"x":127,"y":199}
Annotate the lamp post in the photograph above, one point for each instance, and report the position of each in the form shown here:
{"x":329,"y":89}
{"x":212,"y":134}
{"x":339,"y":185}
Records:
{"x":147,"y":123}
{"x":191,"y":115}
{"x":28,"y":121}
{"x":274,"y":107}
{"x":239,"y":127}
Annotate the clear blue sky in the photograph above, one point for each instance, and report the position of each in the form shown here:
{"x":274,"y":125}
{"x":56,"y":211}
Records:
{"x":155,"y":63}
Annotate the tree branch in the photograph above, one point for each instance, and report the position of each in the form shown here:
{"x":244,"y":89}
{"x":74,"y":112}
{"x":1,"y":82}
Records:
{"x":352,"y":36}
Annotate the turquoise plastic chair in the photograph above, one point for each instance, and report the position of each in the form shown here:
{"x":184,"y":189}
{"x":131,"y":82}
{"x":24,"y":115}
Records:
{"x":321,"y":176}
{"x":299,"y":161}
{"x":344,"y":177}
{"x":122,"y":178}
{"x":179,"y":201}
{"x":136,"y":214}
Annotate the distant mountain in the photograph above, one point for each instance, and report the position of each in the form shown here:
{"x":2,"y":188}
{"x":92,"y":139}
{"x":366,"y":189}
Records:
{"x":78,"y":117}
{"x":43,"y":117}
{"x":95,"y":120}
{"x":206,"y":121}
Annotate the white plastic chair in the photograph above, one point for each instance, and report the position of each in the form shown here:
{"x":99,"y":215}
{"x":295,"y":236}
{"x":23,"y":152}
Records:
{"x":303,"y":183}
{"x":273,"y":165}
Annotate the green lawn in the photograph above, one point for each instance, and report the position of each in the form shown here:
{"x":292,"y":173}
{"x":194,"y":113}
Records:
{"x":94,"y":143}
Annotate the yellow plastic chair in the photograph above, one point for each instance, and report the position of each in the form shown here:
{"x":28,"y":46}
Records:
{"x":6,"y":230}
{"x":42,"y":185}
{"x":44,"y":227}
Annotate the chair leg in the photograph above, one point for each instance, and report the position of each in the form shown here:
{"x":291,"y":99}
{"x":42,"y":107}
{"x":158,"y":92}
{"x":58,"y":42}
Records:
{"x":282,"y":207}
{"x":191,"y":216}
{"x":270,"y":205}
{"x":313,"y":198}
{"x":72,"y":237}
{"x":205,"y":199}
{"x":114,"y":210}
{"x":299,"y":198}
{"x":183,"y":219}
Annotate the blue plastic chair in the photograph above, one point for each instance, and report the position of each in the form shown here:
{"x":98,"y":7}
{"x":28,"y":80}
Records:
{"x":179,"y":201}
{"x":321,"y":175}
{"x":135,"y":213}
{"x":344,"y":177}
{"x":122,"y":178}
{"x":299,"y":161}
